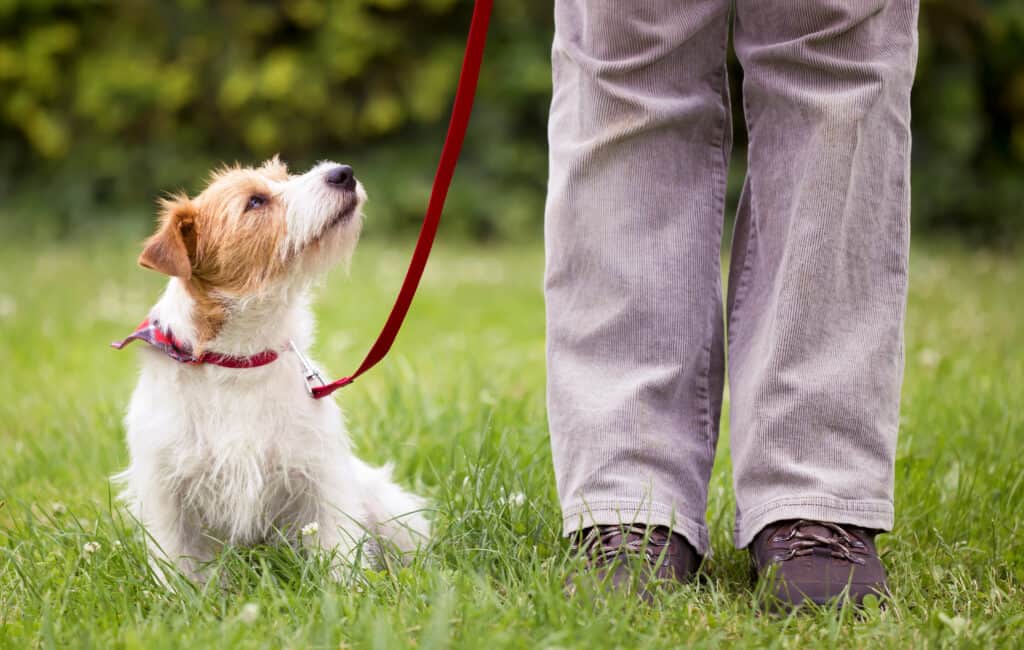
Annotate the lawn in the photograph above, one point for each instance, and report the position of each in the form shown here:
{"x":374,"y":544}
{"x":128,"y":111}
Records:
{"x":459,"y":406}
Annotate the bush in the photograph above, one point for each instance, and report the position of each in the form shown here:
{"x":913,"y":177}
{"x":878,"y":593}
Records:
{"x":115,"y":102}
{"x":107,"y":104}
{"x":969,"y":119}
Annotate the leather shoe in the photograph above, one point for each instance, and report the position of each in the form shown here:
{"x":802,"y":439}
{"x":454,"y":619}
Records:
{"x":635,"y":556}
{"x":817,"y":562}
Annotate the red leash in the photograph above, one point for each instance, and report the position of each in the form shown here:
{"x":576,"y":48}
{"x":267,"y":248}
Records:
{"x":461,"y":110}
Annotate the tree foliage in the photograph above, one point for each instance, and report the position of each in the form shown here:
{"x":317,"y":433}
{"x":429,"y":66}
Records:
{"x":107,"y":103}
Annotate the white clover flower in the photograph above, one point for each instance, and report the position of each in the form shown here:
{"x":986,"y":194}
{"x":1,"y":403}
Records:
{"x":929,"y":358}
{"x":8,"y":307}
{"x":310,"y":529}
{"x":91,"y":547}
{"x":58,"y":508}
{"x":249,"y":613}
{"x":117,"y":543}
{"x":516,"y":499}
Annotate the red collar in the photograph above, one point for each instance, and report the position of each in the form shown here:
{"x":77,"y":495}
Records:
{"x":151,"y":332}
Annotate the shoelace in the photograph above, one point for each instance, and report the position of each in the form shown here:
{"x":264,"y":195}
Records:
{"x":635,"y":542}
{"x":840,"y":544}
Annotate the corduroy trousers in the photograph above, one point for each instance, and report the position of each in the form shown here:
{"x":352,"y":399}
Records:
{"x":640,"y":137}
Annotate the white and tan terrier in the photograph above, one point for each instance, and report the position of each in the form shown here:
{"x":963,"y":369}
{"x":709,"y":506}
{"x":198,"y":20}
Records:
{"x":227,"y":445}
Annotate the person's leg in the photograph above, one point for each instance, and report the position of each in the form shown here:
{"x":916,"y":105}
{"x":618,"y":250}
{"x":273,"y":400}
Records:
{"x":639,"y":139}
{"x":818,"y":283}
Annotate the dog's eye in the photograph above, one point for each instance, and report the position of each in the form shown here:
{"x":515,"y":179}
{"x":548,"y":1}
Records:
{"x":256,"y":201}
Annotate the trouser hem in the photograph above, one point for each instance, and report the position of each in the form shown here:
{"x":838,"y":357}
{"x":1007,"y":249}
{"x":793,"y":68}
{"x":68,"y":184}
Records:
{"x":868,"y":513}
{"x":612,"y":513}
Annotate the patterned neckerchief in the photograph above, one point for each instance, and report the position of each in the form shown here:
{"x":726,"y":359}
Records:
{"x":151,"y":332}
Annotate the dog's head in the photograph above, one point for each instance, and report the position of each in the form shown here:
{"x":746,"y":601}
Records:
{"x":253,"y":231}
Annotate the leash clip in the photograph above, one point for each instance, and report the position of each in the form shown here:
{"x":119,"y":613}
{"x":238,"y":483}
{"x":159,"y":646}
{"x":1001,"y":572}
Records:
{"x":310,"y":374}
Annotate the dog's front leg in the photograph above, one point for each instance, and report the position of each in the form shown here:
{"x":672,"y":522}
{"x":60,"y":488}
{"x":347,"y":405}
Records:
{"x":175,"y":536}
{"x":344,"y":539}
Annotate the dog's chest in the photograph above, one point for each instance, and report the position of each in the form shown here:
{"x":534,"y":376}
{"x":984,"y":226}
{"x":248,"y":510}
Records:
{"x":243,"y":496}
{"x":246,"y":458}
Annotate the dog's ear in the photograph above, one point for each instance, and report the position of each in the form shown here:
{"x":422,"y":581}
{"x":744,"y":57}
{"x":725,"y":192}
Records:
{"x":171,"y":249}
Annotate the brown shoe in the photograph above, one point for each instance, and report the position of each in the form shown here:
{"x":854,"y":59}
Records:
{"x":818,"y":562}
{"x":628,"y":556}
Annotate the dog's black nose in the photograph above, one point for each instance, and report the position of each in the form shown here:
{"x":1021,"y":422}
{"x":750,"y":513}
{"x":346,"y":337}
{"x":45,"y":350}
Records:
{"x":343,"y":177}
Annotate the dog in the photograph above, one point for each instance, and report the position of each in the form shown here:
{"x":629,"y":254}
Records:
{"x":227,"y":445}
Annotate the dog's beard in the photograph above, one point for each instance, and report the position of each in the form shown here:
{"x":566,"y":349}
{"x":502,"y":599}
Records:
{"x":333,"y":246}
{"x":340,"y":220}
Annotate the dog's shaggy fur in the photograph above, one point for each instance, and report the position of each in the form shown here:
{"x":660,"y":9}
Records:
{"x":240,"y":456}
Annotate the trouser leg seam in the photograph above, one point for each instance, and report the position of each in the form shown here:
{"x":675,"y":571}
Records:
{"x":720,"y":169}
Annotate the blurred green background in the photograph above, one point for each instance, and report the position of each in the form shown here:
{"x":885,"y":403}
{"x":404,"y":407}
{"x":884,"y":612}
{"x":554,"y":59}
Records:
{"x":105,"y":105}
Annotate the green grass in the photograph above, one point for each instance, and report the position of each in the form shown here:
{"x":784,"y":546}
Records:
{"x":459,"y":406}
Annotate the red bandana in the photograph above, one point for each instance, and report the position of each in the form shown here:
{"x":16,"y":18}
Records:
{"x":150,"y":332}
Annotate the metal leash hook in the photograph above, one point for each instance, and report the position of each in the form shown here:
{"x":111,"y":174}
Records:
{"x":310,"y":374}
